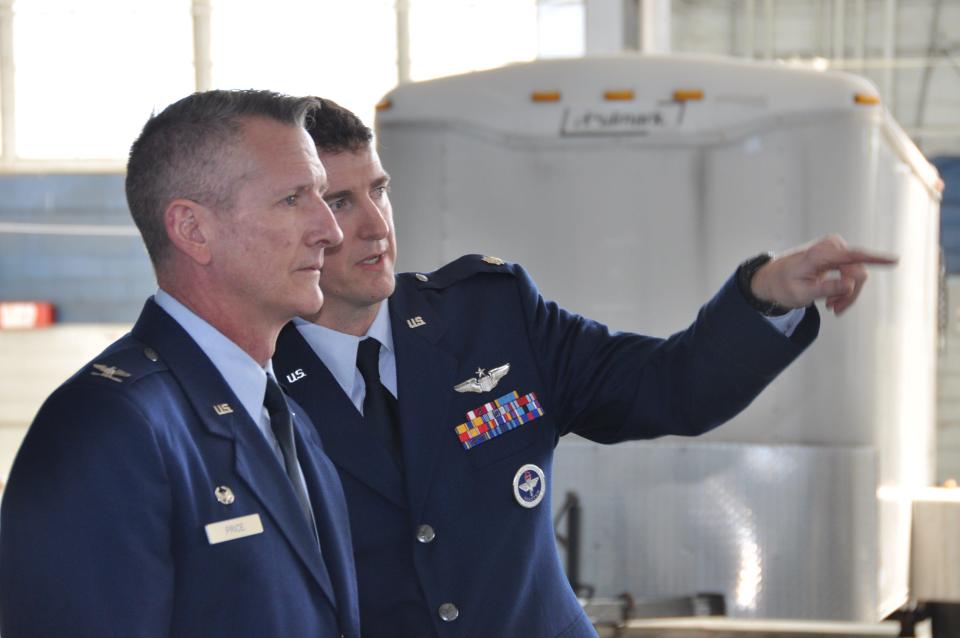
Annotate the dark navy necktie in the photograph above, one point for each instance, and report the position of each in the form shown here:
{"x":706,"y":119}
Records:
{"x":379,"y":406}
{"x":282,"y":425}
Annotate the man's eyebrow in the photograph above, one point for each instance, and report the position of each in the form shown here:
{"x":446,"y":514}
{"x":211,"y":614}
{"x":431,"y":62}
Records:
{"x":383,"y":180}
{"x":296,"y":188}
{"x":337,"y":195}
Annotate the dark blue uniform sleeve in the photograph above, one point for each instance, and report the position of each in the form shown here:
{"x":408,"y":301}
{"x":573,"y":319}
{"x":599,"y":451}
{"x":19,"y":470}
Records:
{"x":87,"y":506}
{"x":616,"y":386}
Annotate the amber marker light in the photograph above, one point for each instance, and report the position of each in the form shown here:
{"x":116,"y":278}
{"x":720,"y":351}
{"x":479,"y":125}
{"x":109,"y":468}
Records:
{"x":384,"y":104}
{"x":687,"y":95}
{"x":545,"y":96}
{"x":614,"y":96}
{"x":866,"y":98}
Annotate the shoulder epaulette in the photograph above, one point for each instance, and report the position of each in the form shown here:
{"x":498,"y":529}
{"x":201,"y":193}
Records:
{"x":124,"y":362}
{"x":460,"y":269}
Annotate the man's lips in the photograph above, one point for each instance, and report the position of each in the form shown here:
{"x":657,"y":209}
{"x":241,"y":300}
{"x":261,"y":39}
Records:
{"x":318,"y":268}
{"x":372,"y":260}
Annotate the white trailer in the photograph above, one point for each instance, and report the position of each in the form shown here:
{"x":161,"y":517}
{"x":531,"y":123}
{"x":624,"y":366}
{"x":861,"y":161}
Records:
{"x":631,"y":187}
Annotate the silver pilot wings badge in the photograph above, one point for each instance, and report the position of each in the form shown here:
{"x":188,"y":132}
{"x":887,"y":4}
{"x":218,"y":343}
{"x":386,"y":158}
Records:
{"x":485,"y":380}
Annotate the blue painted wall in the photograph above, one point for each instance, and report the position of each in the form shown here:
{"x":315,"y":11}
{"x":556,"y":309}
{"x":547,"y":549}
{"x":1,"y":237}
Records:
{"x":89,"y":278}
{"x":949,"y":168}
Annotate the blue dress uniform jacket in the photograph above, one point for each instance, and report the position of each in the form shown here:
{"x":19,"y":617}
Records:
{"x":487,"y":566}
{"x":102,"y":526}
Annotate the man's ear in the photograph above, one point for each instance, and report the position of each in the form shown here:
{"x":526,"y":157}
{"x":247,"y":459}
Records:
{"x":188,"y":226}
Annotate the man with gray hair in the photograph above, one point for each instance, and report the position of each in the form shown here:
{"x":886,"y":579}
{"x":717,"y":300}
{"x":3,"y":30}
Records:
{"x":168,"y":488}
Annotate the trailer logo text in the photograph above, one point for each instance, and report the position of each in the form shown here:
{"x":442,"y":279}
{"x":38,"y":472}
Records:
{"x":593,"y":121}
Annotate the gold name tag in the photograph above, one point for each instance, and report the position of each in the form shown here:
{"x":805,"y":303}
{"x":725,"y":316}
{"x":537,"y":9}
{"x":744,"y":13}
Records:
{"x":234,"y":528}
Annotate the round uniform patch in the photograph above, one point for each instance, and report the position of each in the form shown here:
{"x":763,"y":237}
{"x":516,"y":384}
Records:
{"x":529,"y":485}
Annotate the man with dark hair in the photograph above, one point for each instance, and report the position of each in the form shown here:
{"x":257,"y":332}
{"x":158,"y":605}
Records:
{"x":338,"y":129}
{"x":168,"y":488}
{"x":440,"y":398}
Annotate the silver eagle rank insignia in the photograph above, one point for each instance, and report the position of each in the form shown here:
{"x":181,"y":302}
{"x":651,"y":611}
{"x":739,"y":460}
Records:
{"x":110,"y":372}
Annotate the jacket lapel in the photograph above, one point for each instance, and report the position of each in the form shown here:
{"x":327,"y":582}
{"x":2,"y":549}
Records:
{"x":425,"y":374}
{"x":331,"y":513}
{"x":223,"y":416}
{"x":341,"y":429}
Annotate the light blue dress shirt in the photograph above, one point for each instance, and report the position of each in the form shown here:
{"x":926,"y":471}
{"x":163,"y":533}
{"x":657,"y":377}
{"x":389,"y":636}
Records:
{"x":338,"y":351}
{"x":246,"y":378}
{"x":788,"y":323}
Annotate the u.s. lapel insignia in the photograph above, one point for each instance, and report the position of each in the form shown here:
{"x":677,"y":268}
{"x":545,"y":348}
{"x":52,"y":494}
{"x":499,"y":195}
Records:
{"x":296,"y":375}
{"x":110,"y":372}
{"x":529,"y":485}
{"x":494,"y":261}
{"x":224,"y":495}
{"x":222,"y":409}
{"x":485,"y":380}
{"x":416,"y":322}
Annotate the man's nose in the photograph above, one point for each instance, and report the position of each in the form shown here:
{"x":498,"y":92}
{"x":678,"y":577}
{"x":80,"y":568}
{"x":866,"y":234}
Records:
{"x":375,"y":224}
{"x":324,"y":230}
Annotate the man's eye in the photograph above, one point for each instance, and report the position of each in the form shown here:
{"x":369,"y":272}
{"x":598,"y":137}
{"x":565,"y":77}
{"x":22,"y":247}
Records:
{"x":337,"y":204}
{"x":380,"y":191}
{"x":291,"y":200}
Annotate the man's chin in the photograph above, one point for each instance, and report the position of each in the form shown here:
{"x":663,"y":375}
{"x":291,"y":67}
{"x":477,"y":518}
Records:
{"x":377,"y":289}
{"x":388,"y":288}
{"x":311,"y":308}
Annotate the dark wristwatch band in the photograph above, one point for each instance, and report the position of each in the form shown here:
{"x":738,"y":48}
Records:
{"x":745,"y":276}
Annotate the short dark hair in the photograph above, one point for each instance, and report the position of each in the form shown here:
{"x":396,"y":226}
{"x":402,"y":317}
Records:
{"x":180,"y":153}
{"x":335,"y":129}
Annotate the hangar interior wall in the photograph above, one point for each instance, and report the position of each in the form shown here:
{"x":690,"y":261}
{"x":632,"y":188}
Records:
{"x":67,"y":239}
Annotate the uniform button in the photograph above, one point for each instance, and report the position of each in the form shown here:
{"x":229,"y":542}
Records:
{"x":425,"y":534}
{"x":151,"y":354}
{"x":449,"y":612}
{"x":421,"y":277}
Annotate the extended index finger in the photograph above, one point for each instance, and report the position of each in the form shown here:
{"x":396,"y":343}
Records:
{"x":852,"y":256}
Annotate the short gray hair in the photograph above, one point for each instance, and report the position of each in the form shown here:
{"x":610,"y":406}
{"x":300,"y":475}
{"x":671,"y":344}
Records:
{"x":180,"y":153}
